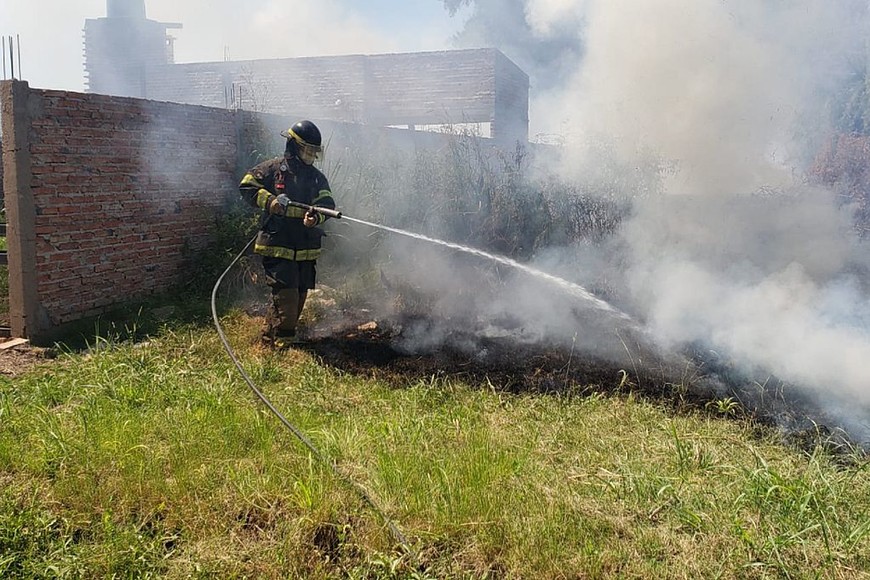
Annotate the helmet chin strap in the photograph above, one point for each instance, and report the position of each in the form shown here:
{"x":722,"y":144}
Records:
{"x":291,"y":149}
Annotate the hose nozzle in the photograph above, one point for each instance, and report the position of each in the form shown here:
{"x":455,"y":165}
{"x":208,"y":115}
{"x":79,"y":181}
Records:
{"x":333,"y":213}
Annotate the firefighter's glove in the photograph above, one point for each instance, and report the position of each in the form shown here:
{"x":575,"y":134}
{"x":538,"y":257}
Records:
{"x":278,"y":206}
{"x":311,"y":219}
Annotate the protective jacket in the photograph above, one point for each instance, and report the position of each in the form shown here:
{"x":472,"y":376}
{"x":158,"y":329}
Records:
{"x":286,"y":236}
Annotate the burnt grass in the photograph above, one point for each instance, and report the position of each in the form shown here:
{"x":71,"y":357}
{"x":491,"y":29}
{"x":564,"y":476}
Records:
{"x":689,"y":382}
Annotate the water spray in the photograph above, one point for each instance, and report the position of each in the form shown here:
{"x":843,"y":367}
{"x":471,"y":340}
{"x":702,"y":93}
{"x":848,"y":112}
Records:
{"x":570,"y":287}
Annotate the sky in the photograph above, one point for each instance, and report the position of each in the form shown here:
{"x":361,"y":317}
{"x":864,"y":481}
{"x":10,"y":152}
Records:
{"x":51,"y":31}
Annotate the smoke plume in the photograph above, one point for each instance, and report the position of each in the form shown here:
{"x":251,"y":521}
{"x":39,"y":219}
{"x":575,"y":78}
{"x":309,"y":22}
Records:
{"x":728,"y":101}
{"x":705,"y":116}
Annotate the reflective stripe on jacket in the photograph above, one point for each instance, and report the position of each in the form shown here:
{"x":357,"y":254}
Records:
{"x":286,"y":236}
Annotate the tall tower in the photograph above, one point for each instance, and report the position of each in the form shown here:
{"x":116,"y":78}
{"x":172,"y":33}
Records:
{"x":125,"y":9}
{"x":120,"y":47}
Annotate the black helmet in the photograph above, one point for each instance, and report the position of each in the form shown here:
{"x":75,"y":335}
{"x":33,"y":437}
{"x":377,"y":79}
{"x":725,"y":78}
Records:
{"x":303,"y":141}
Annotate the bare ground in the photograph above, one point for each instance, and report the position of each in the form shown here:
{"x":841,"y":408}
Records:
{"x":21,"y":358}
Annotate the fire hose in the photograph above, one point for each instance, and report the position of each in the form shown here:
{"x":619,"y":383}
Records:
{"x":320,"y":456}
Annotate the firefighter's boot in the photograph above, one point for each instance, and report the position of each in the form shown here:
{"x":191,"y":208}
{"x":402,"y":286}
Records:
{"x":280,"y":331}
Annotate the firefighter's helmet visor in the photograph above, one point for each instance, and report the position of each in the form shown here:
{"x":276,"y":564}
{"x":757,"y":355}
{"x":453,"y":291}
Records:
{"x":308,"y":152}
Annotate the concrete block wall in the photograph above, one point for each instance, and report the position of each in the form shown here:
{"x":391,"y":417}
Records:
{"x":107,"y":198}
{"x":425,"y":88}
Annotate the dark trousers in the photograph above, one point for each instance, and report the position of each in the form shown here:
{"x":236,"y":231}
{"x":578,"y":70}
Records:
{"x":290,"y":282}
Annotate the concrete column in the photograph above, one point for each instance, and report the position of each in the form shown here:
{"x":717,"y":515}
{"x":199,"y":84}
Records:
{"x":125,"y":8}
{"x":24,"y":310}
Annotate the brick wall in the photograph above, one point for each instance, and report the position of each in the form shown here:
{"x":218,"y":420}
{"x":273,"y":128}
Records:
{"x":110,"y":198}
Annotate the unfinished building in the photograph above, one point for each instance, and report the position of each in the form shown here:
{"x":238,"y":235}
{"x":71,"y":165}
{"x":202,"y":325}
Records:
{"x":129,"y":55}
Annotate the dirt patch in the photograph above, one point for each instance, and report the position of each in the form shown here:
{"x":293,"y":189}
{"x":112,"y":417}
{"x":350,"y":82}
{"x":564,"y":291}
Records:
{"x":21,"y":358}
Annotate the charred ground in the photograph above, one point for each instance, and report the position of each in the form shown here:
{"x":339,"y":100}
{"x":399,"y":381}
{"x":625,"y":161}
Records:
{"x":695,"y":381}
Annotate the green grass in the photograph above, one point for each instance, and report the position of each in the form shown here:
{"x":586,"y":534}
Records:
{"x":154,"y":460}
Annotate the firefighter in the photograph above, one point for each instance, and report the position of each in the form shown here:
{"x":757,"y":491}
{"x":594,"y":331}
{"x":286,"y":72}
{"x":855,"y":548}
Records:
{"x":289,"y":239}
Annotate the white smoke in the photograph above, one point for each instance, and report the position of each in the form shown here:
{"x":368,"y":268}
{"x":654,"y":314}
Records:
{"x":278,"y":29}
{"x":712,"y":87}
{"x":730,"y":97}
{"x":545,"y":16}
